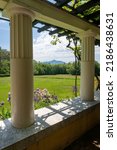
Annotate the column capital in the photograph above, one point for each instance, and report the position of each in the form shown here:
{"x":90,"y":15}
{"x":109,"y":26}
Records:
{"x":88,"y":33}
{"x":20,"y":10}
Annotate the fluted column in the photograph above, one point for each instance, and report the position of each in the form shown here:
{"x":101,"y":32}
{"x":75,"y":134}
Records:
{"x":21,"y":67}
{"x":87,"y":66}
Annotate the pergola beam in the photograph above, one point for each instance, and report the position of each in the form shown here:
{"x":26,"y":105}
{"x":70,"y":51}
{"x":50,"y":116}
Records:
{"x":5,"y":19}
{"x":35,"y":22}
{"x":62,"y":2}
{"x":55,"y":31}
{"x":45,"y":28}
{"x":47,"y":13}
{"x":87,"y":5}
{"x":64,"y":33}
{"x":93,"y":15}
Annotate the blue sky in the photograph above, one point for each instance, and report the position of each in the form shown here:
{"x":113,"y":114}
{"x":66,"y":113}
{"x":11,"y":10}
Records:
{"x":42,"y":49}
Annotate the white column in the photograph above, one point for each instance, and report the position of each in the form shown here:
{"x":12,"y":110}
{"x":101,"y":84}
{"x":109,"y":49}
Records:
{"x":21,"y":67}
{"x":87,"y":66}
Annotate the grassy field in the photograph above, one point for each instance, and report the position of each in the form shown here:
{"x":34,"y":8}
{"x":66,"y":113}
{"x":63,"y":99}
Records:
{"x":60,"y":85}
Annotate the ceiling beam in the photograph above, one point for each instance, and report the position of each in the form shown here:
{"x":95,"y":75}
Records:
{"x":49,"y":14}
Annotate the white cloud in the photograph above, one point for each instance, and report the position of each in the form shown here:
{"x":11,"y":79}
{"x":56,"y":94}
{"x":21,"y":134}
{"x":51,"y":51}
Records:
{"x":43,"y":50}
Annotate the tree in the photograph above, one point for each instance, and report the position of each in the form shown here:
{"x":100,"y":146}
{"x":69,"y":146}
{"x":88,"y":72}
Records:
{"x":74,"y":45}
{"x":72,"y":37}
{"x":4,"y":62}
{"x":97,"y":74}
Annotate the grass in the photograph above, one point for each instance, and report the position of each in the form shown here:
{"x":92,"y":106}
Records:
{"x":60,"y":85}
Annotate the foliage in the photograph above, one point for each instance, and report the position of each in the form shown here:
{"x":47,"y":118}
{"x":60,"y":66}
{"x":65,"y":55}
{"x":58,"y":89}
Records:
{"x":4,"y":113}
{"x":76,"y":3}
{"x":53,"y":69}
{"x":97,"y":68}
{"x":55,"y":40}
{"x":71,"y":69}
{"x":4,"y":62}
{"x":47,"y":69}
{"x":97,"y":74}
{"x":60,"y":85}
{"x":41,"y":98}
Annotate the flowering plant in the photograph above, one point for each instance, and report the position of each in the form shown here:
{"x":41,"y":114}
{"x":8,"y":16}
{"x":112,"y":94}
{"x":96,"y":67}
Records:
{"x":43,"y":95}
{"x":41,"y":98}
{"x":39,"y":95}
{"x":4,"y":113}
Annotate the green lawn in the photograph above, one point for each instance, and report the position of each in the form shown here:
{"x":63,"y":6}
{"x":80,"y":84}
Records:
{"x":60,"y":85}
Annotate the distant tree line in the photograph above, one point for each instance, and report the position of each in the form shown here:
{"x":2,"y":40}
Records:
{"x":53,"y":69}
{"x":4,"y":62}
{"x":42,"y":68}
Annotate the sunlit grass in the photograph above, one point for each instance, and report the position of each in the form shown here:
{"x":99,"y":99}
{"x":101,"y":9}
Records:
{"x":59,"y":85}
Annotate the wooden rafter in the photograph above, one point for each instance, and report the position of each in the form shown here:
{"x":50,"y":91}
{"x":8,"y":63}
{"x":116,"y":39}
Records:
{"x":85,"y":6}
{"x":61,"y":3}
{"x":59,"y":18}
{"x":35,"y":22}
{"x":55,"y":31}
{"x":80,"y":9}
{"x":44,"y":28}
{"x":93,"y":15}
{"x":65,"y":33}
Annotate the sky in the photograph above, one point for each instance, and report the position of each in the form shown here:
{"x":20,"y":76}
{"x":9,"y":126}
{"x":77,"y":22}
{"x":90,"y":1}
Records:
{"x":43,"y":50}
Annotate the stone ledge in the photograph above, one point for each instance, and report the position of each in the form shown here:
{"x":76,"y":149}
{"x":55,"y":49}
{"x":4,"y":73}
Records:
{"x":47,"y":120}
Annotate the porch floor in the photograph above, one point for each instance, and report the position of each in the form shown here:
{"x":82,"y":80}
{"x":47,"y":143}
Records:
{"x":89,"y":141}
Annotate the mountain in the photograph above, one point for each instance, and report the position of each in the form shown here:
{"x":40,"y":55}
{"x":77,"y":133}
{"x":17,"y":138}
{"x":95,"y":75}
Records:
{"x":55,"y":62}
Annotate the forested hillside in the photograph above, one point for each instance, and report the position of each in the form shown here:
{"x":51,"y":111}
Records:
{"x":42,"y":68}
